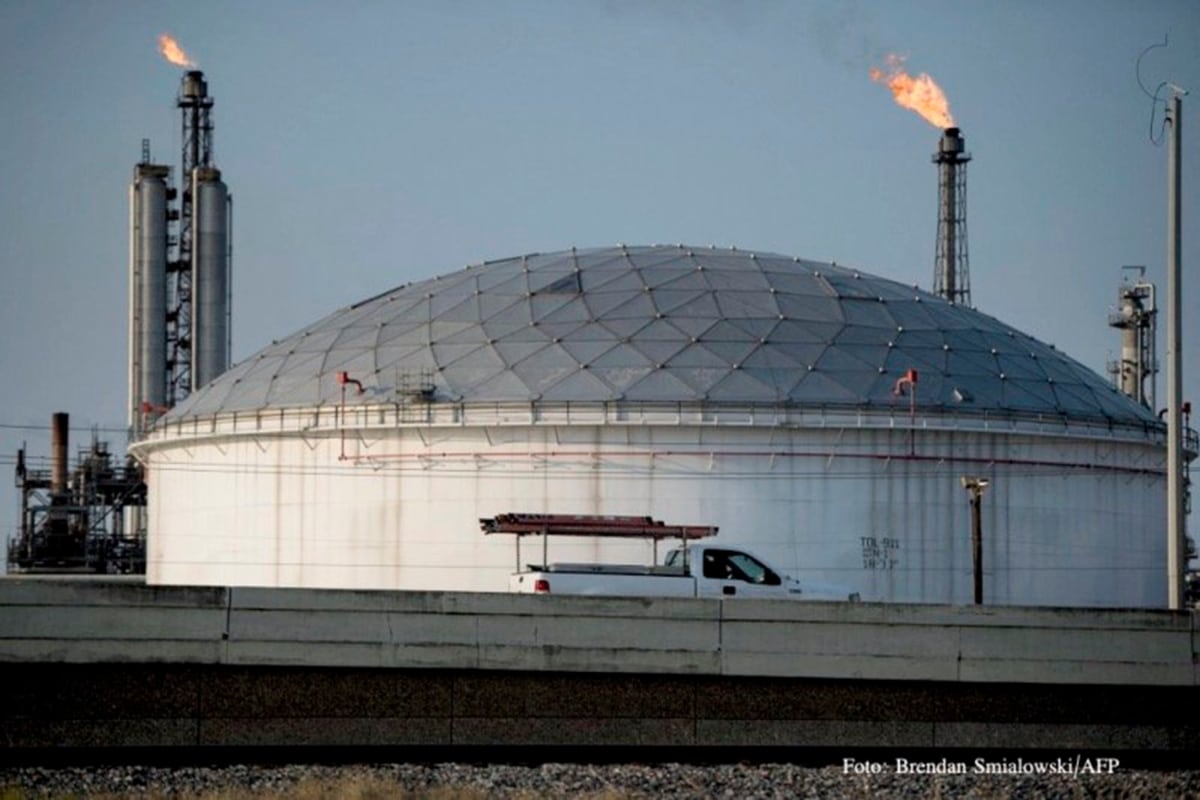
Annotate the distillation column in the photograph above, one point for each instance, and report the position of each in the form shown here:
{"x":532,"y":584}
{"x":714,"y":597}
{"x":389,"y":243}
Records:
{"x":1136,"y":318}
{"x":148,"y":220}
{"x":210,"y":276}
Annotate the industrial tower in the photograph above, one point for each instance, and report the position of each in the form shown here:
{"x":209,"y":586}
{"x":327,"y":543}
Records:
{"x":1136,"y":317}
{"x":179,"y":335}
{"x":951,"y":278}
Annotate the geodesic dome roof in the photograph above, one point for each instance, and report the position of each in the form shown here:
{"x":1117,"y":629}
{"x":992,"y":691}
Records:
{"x":665,"y":324}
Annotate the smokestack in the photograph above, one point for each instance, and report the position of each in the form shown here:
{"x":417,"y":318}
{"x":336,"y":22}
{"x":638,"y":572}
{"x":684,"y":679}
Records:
{"x":58,"y":453}
{"x":950,"y":276}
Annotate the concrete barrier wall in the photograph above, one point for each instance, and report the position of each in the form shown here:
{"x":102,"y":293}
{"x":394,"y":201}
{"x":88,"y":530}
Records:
{"x":123,"y":705}
{"x":118,"y":664}
{"x":98,"y":621}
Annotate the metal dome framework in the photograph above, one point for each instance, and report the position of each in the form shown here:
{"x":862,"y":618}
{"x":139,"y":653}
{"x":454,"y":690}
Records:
{"x":666,"y":324}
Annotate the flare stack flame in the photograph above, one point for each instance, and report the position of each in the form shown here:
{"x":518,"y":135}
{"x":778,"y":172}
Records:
{"x":919,"y":94}
{"x":172,"y":52}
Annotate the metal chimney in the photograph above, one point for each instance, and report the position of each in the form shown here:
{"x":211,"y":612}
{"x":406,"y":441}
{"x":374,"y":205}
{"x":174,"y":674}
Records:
{"x":950,"y":276}
{"x":59,"y":431}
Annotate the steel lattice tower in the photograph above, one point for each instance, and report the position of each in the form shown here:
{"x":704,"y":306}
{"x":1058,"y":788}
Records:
{"x":951,"y":277}
{"x":195,"y":105}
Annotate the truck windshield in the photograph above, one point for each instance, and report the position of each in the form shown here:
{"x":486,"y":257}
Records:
{"x":673,"y":559}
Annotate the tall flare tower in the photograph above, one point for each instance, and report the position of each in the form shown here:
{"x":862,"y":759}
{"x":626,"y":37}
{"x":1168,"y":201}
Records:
{"x":198,"y":315}
{"x":951,"y":277}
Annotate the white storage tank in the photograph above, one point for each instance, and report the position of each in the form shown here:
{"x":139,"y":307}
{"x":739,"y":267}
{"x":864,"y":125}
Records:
{"x":768,"y":395}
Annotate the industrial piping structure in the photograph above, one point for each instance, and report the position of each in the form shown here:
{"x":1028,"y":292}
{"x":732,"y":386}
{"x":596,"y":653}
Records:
{"x":80,"y":520}
{"x":180,"y":305}
{"x":200,"y":333}
{"x":1136,"y":317}
{"x":950,"y":276}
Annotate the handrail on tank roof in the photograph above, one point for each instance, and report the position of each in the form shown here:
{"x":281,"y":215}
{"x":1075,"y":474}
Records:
{"x":382,"y":416}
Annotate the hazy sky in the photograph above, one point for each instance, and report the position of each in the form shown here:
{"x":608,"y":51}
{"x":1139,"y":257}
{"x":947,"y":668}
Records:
{"x":373,"y":143}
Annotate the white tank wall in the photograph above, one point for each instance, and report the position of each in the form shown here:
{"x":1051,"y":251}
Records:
{"x":401,"y":511}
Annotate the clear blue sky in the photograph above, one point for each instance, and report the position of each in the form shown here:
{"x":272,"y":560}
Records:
{"x":368,"y":144}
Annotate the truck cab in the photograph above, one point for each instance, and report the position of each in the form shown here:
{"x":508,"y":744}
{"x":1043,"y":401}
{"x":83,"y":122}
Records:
{"x":723,"y":572}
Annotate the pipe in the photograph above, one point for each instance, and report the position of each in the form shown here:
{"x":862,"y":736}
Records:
{"x":1152,"y":341}
{"x":860,"y":456}
{"x":909,"y":380}
{"x":344,"y":377}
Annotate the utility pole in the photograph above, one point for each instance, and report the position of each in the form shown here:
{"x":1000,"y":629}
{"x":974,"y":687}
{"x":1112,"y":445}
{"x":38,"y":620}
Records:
{"x":975,"y":487}
{"x":1176,"y":519}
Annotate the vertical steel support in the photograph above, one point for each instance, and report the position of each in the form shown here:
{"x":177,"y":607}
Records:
{"x":975,"y":487}
{"x":1176,"y":549}
{"x":977,"y":543}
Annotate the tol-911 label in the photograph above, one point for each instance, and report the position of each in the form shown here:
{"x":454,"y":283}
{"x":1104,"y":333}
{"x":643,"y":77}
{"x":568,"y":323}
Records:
{"x":880,"y":554}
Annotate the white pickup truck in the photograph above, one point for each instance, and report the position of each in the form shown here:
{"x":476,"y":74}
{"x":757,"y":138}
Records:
{"x":690,"y":570}
{"x":695,"y":571}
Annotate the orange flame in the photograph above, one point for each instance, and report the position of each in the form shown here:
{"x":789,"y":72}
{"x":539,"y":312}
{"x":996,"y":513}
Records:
{"x":173,"y":52}
{"x":919,"y":94}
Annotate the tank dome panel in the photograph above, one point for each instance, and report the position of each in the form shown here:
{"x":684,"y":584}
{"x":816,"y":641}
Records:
{"x":666,"y":324}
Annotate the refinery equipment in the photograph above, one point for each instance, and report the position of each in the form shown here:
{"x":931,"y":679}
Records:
{"x":210,"y":276}
{"x":179,"y":282}
{"x":749,"y":390}
{"x":78,"y":520}
{"x":1136,"y":317}
{"x":951,"y":277}
{"x":179,"y":338}
{"x":198,"y":320}
{"x":149,"y":218}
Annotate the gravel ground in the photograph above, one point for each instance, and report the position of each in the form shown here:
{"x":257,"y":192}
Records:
{"x":596,"y":782}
